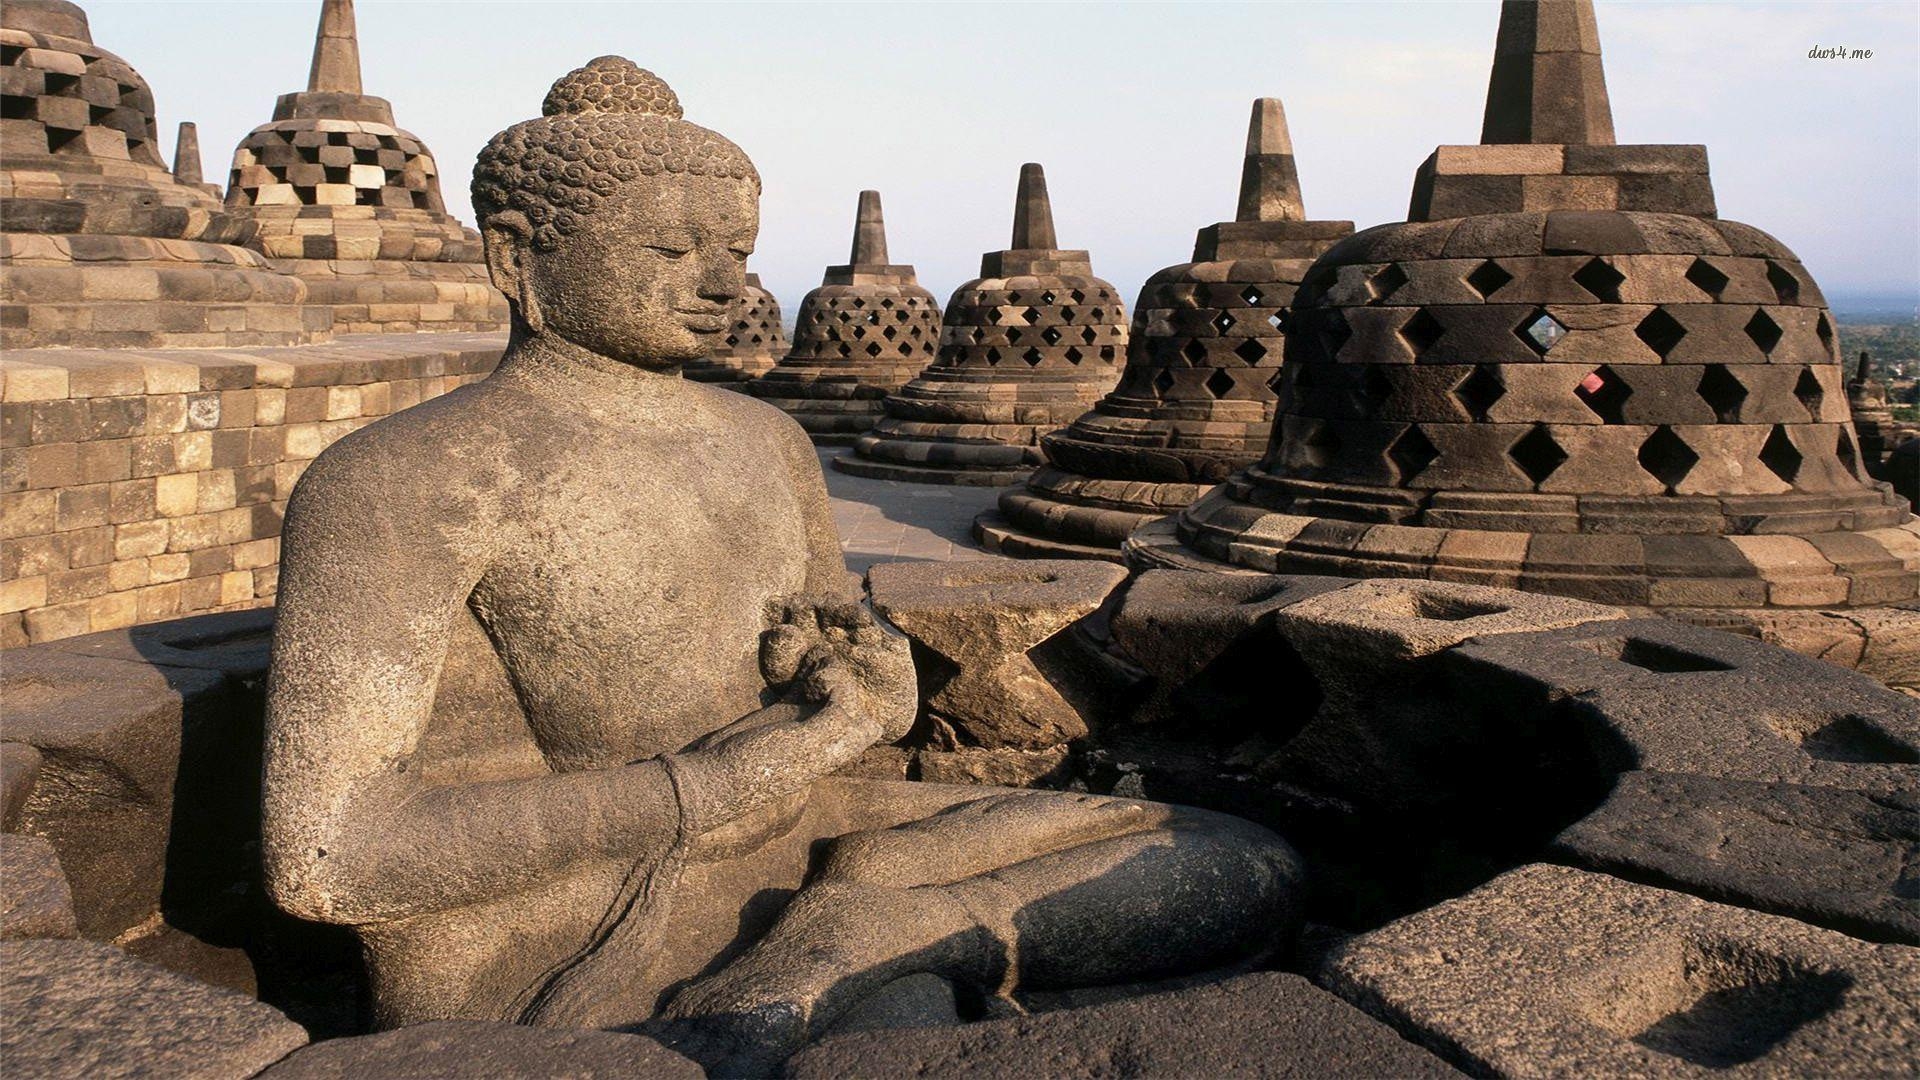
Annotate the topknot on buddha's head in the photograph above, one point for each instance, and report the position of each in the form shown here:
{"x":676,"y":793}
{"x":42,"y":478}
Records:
{"x":605,"y":124}
{"x":612,"y":84}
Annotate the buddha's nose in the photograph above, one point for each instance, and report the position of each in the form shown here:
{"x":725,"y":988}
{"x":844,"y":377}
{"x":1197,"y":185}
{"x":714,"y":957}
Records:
{"x":722,"y":279}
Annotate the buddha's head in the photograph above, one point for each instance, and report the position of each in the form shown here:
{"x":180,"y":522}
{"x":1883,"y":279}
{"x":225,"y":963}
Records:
{"x":613,"y":223}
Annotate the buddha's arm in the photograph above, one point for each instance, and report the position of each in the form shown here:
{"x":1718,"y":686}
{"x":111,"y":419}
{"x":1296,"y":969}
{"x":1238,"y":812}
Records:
{"x":377,"y":563}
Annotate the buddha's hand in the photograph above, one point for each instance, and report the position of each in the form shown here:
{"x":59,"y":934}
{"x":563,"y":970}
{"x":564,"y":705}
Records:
{"x":835,"y":654}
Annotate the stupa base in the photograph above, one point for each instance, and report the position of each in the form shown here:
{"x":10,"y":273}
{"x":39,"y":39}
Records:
{"x":390,"y":296}
{"x":1056,"y":508}
{"x":854,"y":465}
{"x":999,"y":536}
{"x":829,"y":420}
{"x":981,"y":455}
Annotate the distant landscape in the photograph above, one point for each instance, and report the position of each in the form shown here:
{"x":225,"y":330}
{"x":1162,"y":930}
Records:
{"x":1889,"y":328}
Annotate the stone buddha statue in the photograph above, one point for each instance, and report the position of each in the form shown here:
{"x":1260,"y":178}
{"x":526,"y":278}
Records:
{"x":567,"y":658}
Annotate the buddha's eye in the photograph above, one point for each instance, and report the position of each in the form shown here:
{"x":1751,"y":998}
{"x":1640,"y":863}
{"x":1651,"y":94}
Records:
{"x":670,"y":252}
{"x":741,"y":253}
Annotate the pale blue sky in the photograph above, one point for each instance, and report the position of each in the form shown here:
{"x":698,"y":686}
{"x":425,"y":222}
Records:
{"x":1138,"y":111}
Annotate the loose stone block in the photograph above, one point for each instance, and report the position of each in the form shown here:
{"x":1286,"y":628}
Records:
{"x":1548,"y":971}
{"x":473,"y":1050}
{"x":36,"y":902}
{"x":83,"y":1009}
{"x":1659,"y":695}
{"x":981,"y":621}
{"x":110,"y":736}
{"x":1828,"y":856}
{"x":1264,"y":1025}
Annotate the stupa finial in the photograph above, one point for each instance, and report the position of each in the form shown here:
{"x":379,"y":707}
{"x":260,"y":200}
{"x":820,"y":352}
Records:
{"x":1269,"y":181}
{"x":336,"y":51}
{"x":186,"y":154}
{"x":869,"y":232}
{"x":1033,"y":212}
{"x":1548,"y":85}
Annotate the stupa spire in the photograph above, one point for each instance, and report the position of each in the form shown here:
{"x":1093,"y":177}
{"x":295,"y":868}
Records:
{"x":1548,"y":85}
{"x":186,"y":155}
{"x":1033,"y":212}
{"x":869,"y":232}
{"x":1269,"y":182}
{"x":336,"y":51}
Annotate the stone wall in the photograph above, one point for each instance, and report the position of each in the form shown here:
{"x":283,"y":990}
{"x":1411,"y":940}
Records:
{"x":142,"y":485}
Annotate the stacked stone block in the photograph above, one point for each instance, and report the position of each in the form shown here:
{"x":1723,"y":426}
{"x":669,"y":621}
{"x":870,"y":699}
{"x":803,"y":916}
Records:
{"x":1195,"y":401}
{"x":753,"y":342}
{"x":1638,"y":406}
{"x":137,"y":486}
{"x":862,"y":335}
{"x":351,"y":204}
{"x":101,"y":246}
{"x":1024,"y":349}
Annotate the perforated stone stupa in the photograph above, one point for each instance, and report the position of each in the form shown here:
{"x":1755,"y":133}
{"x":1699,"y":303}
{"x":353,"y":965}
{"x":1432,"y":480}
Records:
{"x":1194,"y":403}
{"x":752,"y":344}
{"x":102,"y":246}
{"x":1563,"y":373}
{"x":1024,"y":349}
{"x":866,"y":331}
{"x":351,"y":204}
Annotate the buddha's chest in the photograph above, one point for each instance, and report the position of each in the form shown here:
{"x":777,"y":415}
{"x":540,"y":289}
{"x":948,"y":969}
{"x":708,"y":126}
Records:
{"x":628,"y":606}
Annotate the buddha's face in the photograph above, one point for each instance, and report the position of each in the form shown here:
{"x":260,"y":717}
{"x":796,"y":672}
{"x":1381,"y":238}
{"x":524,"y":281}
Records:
{"x":647,"y":279}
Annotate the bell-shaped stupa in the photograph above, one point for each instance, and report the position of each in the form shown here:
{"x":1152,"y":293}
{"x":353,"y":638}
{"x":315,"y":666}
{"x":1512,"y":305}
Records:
{"x":100,"y":245}
{"x":1563,"y":373}
{"x":753,"y":343}
{"x":1024,"y":349}
{"x":351,"y":204}
{"x":1194,"y":403}
{"x":860,"y":336}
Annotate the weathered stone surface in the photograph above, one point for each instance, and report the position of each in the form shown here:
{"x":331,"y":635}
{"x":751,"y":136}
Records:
{"x":83,"y":1009}
{"x":473,"y":1050}
{"x":1264,"y":1025}
{"x":19,"y":768}
{"x":110,"y":733}
{"x":1002,"y":766}
{"x":984,"y":618}
{"x":35,"y":901}
{"x":1377,"y":739}
{"x":1207,"y":640}
{"x":1548,"y":971}
{"x":1664,"y":696}
{"x":1841,"y":859}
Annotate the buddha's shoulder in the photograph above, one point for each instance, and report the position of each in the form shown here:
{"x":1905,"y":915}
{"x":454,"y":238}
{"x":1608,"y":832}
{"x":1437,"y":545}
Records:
{"x":460,"y":433}
{"x":749,"y":414}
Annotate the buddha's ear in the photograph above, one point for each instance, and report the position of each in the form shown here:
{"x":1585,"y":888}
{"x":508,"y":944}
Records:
{"x":509,"y":246}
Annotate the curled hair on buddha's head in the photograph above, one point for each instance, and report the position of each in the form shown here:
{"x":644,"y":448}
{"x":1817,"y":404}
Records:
{"x":603,"y":125}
